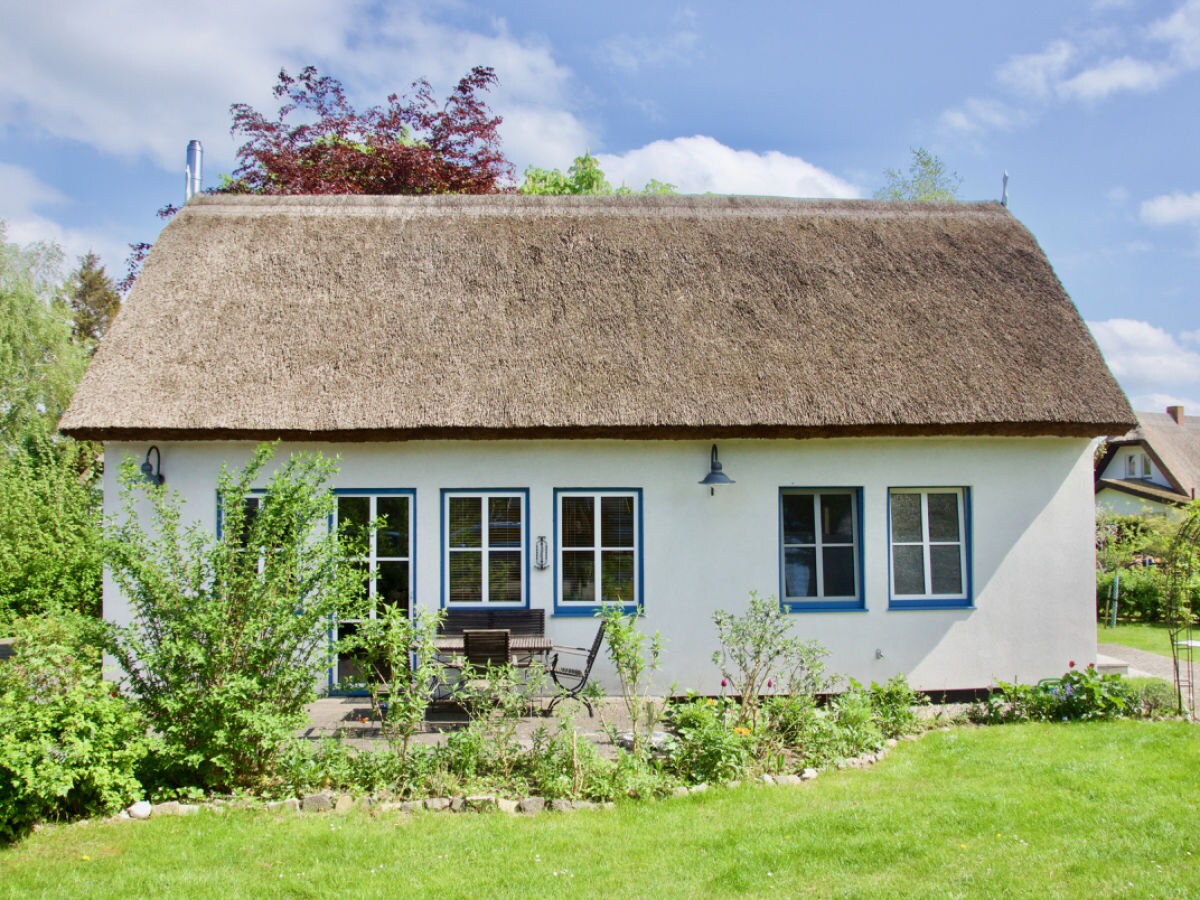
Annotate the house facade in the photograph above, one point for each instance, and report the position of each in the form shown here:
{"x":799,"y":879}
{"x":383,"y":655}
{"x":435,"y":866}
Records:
{"x":532,"y":390}
{"x":1153,"y":469}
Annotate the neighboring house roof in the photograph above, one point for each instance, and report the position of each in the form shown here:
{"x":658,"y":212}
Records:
{"x":1173,"y":445}
{"x":451,"y":316}
{"x":1142,"y":489}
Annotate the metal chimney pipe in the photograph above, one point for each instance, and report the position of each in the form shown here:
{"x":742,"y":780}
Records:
{"x":195,"y":155}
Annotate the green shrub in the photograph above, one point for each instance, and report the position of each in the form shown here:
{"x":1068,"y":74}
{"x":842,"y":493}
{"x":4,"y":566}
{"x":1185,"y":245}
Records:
{"x":710,"y":745}
{"x":1151,"y":698}
{"x":69,"y":744}
{"x":50,"y":533}
{"x":893,"y":703}
{"x":759,"y":655}
{"x":1081,"y":694}
{"x":229,"y":633}
{"x":636,"y":657}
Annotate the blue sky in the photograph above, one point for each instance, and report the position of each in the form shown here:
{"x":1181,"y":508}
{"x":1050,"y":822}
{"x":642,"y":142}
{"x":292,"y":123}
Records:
{"x":1092,"y":107}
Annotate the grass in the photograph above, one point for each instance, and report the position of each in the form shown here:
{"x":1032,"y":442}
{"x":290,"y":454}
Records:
{"x":1035,"y":810}
{"x":1140,"y":636}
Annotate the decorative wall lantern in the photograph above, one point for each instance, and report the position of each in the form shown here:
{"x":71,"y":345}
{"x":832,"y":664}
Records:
{"x":153,"y":473}
{"x":715,"y":476}
{"x":541,"y":554}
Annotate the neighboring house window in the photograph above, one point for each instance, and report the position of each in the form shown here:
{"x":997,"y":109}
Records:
{"x":1147,"y":469}
{"x":819,"y":540}
{"x":929,"y":547}
{"x":484,"y":547}
{"x":388,"y":554}
{"x":598,"y":548}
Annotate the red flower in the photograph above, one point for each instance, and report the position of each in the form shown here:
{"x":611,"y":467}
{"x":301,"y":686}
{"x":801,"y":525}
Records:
{"x":1071,"y":664}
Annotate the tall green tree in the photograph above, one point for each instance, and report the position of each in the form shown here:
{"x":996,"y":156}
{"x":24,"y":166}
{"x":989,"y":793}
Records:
{"x":40,"y":365}
{"x":583,"y":177}
{"x":94,"y":299}
{"x":928,"y":180}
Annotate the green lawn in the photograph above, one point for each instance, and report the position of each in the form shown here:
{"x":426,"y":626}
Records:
{"x":1033,"y":810}
{"x":1151,"y":638}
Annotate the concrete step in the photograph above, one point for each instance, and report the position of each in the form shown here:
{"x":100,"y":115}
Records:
{"x":1110,"y":665}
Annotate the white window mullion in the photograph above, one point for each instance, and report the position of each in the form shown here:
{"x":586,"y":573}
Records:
{"x":925,"y":542}
{"x":484,"y":549}
{"x":819,"y":562}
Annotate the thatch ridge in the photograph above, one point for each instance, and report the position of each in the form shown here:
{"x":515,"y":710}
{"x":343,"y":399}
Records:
{"x":453,"y":316}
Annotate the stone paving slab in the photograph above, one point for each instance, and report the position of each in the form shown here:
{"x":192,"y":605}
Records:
{"x":1142,"y":663}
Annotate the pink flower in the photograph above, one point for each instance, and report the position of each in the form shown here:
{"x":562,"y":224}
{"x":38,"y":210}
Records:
{"x":724,"y":683}
{"x":1071,"y":664}
{"x":1091,"y":665}
{"x":770,"y":683}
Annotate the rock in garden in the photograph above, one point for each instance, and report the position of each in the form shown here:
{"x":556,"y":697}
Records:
{"x":139,"y":810}
{"x":344,"y":803}
{"x":321,"y":802}
{"x":679,"y":791}
{"x":766,"y":779}
{"x":531,"y":805}
{"x":561,"y":805}
{"x":788,"y":779}
{"x":411,"y":806}
{"x":169,"y":808}
{"x":656,"y":741}
{"x":891,"y":742}
{"x":192,"y":810}
{"x":437,"y":804}
{"x":457,"y":804}
{"x":808,"y":774}
{"x":506,"y":806}
{"x":584,"y":804}
{"x":698,"y":788}
{"x":479,"y":803}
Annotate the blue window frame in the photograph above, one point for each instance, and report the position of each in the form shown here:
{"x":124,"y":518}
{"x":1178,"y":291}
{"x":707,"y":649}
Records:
{"x":929,"y":558}
{"x":597,"y":549}
{"x":820,"y":549}
{"x":485,"y":547}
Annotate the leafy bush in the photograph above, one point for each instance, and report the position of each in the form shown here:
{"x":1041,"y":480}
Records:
{"x":69,"y":744}
{"x":229,"y":633}
{"x":759,"y":654}
{"x":636,"y":657}
{"x":893,"y":703}
{"x":50,"y":533}
{"x":710,"y":746}
{"x":1080,"y":694}
{"x":1151,"y":698}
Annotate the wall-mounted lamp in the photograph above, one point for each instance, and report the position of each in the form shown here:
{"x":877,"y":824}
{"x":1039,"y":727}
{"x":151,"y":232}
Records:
{"x":541,"y":554}
{"x":879,"y":653}
{"x":153,"y":473}
{"x":715,"y":476}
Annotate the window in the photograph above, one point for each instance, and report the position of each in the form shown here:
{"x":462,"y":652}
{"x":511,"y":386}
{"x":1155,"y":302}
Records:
{"x":1147,"y":471}
{"x":485,"y":547}
{"x":1131,"y":466}
{"x":819,"y":541}
{"x":929,"y":547}
{"x":598,"y":536}
{"x":388,"y":555}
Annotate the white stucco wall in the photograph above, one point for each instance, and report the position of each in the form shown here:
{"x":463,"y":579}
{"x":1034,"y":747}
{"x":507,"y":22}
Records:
{"x":1119,"y":467}
{"x":1031,"y":553}
{"x":1123,"y":504}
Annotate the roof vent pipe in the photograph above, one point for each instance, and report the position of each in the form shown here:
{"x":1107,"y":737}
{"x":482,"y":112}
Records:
{"x":195,"y":153}
{"x":1176,"y":413}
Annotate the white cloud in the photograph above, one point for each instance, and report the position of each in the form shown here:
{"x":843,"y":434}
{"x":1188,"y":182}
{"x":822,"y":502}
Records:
{"x":977,"y":115}
{"x":633,"y":52}
{"x":22,"y":197}
{"x":700,"y":164}
{"x":135,"y":79}
{"x":1191,"y":337}
{"x":1114,"y":76}
{"x":1035,"y":74}
{"x":1145,"y":357}
{"x":1181,"y":32}
{"x":1158,"y":402}
{"x":1172,"y":209}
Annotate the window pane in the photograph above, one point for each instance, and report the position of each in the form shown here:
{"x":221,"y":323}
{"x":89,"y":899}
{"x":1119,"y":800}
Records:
{"x":465,"y":522}
{"x":504,"y":577}
{"x":837,"y":519}
{"x":466,"y":577}
{"x":353,"y":514}
{"x":908,"y":569}
{"x":616,"y":581}
{"x":578,"y":577}
{"x":504,"y":521}
{"x":348,"y":669}
{"x":906,"y":518}
{"x":250,"y":507}
{"x":391,"y":585}
{"x":946,"y":563}
{"x":800,"y":570}
{"x":616,"y":522}
{"x":798,"y":524}
{"x":392,"y":537}
{"x":578,"y":524}
{"x":839,"y":571}
{"x":943,"y":517}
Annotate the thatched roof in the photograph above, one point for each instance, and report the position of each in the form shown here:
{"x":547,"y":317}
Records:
{"x":1174,"y":447}
{"x":392,"y":318}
